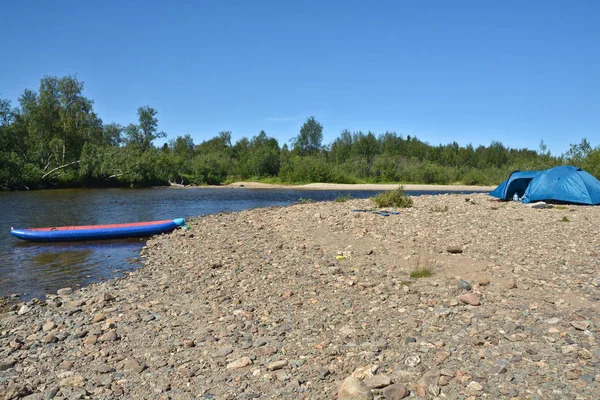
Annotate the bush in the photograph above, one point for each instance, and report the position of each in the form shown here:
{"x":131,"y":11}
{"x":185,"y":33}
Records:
{"x":341,"y":198}
{"x":393,"y":198}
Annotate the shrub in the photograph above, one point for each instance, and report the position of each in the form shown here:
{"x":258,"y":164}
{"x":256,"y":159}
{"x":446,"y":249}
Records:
{"x":393,"y":198}
{"x":341,"y":198}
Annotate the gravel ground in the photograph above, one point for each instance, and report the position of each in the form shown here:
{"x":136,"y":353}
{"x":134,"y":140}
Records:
{"x":315,"y":301}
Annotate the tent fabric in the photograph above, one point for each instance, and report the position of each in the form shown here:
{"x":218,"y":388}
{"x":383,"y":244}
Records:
{"x":565,"y":184}
{"x":517,"y":182}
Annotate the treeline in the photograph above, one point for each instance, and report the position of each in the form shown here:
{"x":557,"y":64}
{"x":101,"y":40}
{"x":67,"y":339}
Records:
{"x":53,"y":138}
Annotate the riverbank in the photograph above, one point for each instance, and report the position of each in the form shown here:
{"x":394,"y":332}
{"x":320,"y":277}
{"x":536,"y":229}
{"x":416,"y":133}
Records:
{"x":290,"y":302}
{"x":362,"y":186}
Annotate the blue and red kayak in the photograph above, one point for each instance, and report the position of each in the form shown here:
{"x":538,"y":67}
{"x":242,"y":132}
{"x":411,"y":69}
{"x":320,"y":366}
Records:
{"x":98,"y":232}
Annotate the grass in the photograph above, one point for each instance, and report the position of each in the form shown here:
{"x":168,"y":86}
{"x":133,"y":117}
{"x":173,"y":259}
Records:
{"x":302,"y":200}
{"x":421,"y":273}
{"x":561,"y":207}
{"x":420,"y":270}
{"x":564,"y":219}
{"x":341,"y":198}
{"x":393,"y":198}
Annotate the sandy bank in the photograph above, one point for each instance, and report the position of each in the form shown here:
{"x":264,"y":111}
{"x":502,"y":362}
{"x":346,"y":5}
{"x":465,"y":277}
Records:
{"x":288,"y":302}
{"x":365,"y":186}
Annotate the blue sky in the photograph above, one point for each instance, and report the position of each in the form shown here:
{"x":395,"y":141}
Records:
{"x":517,"y":72}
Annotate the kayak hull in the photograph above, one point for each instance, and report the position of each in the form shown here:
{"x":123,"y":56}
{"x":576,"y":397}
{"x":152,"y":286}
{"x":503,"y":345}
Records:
{"x":97,"y":232}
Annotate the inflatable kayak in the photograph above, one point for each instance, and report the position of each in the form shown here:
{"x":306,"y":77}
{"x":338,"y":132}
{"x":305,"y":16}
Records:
{"x":97,"y":232}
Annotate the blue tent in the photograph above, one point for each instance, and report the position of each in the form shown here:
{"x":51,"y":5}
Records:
{"x":517,"y":182}
{"x":565,"y":184}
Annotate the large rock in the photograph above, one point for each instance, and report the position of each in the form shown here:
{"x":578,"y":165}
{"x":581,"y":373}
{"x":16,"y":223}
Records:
{"x":353,"y":389}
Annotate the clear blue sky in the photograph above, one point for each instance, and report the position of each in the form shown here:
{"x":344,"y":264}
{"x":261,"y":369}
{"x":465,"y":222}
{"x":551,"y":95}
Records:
{"x":472,"y":71}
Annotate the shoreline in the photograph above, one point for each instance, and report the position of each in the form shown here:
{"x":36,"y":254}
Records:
{"x":359,"y":186}
{"x":301,"y":301}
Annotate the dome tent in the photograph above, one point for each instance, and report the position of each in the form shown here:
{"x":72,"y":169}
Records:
{"x":564,"y":184}
{"x":516,"y":182}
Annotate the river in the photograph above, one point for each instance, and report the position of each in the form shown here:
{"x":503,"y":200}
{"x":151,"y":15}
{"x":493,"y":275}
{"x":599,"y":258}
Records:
{"x":34,"y":269}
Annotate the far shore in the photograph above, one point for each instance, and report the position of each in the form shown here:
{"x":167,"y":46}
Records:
{"x":360,"y":186}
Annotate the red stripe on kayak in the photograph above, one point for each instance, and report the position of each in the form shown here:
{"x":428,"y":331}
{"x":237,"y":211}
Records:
{"x":109,"y":226}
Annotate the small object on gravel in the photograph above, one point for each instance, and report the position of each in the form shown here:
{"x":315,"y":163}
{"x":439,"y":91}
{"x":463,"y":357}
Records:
{"x":474,"y":385}
{"x":239,"y":363}
{"x":580,"y":325}
{"x":469,"y":298}
{"x":510,"y":284}
{"x":378,"y":381}
{"x":23,"y":310}
{"x":396,"y":391}
{"x":64,"y":291}
{"x":105,"y":297}
{"x":413,"y":360}
{"x":463,"y":285}
{"x":410,"y":339}
{"x":73,"y":381}
{"x":454,"y":249}
{"x":353,"y":389}
{"x":275,"y":365}
{"x":483,"y":281}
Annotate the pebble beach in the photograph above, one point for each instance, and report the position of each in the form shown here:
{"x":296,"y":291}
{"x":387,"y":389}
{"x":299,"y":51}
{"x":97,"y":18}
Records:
{"x":316,"y":301}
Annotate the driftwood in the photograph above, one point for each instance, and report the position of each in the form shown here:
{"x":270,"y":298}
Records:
{"x":176,"y":184}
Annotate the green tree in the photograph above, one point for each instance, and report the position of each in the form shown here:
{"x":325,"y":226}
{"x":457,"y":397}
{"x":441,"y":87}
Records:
{"x":309,"y":140}
{"x":143,"y":134}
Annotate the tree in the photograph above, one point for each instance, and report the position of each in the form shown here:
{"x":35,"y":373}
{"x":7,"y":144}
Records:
{"x":143,"y":134}
{"x":308,"y":142}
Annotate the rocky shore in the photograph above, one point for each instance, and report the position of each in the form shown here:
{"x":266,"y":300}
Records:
{"x":316,"y":301}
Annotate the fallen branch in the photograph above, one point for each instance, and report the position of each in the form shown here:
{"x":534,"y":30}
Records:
{"x":61,"y":167}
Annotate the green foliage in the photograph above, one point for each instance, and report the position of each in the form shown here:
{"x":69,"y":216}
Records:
{"x":341,"y":198}
{"x":564,"y":219}
{"x":54,"y":138}
{"x":302,"y":200}
{"x":393,"y":198}
{"x":309,"y":140}
{"x":421,"y":273}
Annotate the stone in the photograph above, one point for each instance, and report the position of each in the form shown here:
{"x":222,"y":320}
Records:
{"x":239,"y":363}
{"x":67,"y":291}
{"x":378,"y":381}
{"x":73,"y":381}
{"x":48,"y":326}
{"x":109,"y":336}
{"x":469,"y":298}
{"x":99,"y":317}
{"x":7,"y":364}
{"x":275,"y":365}
{"x":395,"y":392}
{"x":412,"y":360}
{"x":353,"y":389}
{"x":572,"y":374}
{"x":133,"y":365}
{"x":66,"y":365}
{"x":580,"y":325}
{"x":454,"y":249}
{"x":483,"y":281}
{"x":510,"y":284}
{"x":23,"y":310}
{"x":105,"y":297}
{"x":463,"y":285}
{"x":265,"y":351}
{"x":91,"y":340}
{"x":223,"y":352}
{"x":474,"y":385}
{"x":365,"y":372}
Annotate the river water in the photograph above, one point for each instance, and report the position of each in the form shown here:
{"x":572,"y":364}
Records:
{"x":34,"y":269}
